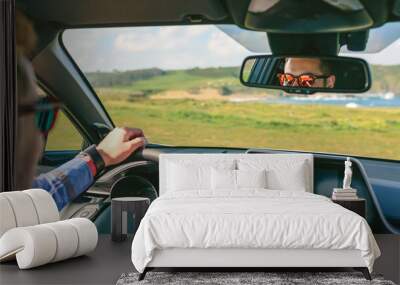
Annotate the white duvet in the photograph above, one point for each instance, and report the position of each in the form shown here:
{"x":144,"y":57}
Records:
{"x":250,"y":219}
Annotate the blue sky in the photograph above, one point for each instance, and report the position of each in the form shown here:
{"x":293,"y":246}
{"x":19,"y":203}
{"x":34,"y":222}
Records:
{"x":173,"y":47}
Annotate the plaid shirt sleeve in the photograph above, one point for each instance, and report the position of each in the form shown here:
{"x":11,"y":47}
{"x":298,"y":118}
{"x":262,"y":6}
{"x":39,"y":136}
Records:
{"x":66,"y":182}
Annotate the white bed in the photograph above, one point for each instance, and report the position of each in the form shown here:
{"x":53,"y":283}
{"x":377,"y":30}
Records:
{"x":215,"y":211}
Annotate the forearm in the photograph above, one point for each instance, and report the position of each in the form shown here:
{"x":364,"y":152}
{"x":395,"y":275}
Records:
{"x":66,"y":182}
{"x":74,"y":177}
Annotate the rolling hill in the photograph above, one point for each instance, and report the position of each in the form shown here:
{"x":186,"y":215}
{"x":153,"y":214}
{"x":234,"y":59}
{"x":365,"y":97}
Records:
{"x":225,"y":79}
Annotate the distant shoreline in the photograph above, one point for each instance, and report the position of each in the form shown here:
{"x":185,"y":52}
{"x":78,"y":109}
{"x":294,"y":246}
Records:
{"x":370,"y":100}
{"x":349,"y":102}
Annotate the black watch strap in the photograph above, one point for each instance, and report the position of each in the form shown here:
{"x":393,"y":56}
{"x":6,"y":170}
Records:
{"x":96,"y":157}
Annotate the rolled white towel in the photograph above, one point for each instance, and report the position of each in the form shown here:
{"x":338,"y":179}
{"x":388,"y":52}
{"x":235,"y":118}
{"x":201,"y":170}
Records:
{"x":45,"y":205}
{"x":32,"y":246}
{"x":87,"y":235}
{"x":26,"y":208}
{"x":7,"y":218}
{"x":23,"y":208}
{"x":66,"y":238}
{"x":37,"y":245}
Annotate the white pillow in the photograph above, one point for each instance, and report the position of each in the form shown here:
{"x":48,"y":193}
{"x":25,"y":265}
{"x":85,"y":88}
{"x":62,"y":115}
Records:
{"x":293,"y":180}
{"x":226,"y":179}
{"x":183,"y":176}
{"x":251,"y":178}
{"x":223,"y":179}
{"x":282,"y":174}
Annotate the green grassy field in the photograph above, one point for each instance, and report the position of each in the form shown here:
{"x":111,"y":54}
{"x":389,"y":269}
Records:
{"x":366,"y":132}
{"x":63,"y":136}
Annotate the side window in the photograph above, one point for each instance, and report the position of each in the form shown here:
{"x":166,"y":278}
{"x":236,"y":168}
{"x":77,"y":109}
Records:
{"x":64,"y":135}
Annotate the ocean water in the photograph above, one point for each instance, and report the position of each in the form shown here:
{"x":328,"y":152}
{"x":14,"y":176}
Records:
{"x":348,"y":102}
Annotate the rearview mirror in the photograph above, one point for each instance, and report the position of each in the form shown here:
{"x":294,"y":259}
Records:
{"x":306,"y":75}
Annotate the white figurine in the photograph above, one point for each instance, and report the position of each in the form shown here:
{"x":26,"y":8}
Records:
{"x":348,"y":173}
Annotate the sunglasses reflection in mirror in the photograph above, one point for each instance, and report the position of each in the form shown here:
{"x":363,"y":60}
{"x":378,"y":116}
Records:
{"x":302,"y":80}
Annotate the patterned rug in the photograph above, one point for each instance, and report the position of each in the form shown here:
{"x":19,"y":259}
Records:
{"x":242,"y":278}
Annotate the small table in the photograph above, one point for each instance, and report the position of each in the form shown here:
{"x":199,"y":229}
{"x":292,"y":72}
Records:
{"x":358,"y":205}
{"x":120,"y":208}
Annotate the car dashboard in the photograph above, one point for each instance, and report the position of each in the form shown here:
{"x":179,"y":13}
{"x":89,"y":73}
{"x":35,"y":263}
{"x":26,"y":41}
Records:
{"x":142,"y":169}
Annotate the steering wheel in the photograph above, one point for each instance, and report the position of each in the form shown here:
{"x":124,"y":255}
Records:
{"x":150,"y":154}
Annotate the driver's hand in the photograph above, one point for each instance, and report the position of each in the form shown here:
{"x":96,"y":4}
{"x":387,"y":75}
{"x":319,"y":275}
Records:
{"x":119,"y":144}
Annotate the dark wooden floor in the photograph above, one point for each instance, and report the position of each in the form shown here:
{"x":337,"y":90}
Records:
{"x":110,"y":260}
{"x":389,"y":263}
{"x":103,"y":266}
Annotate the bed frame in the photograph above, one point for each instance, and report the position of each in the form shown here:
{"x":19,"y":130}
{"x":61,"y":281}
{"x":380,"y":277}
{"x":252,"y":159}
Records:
{"x":260,"y":259}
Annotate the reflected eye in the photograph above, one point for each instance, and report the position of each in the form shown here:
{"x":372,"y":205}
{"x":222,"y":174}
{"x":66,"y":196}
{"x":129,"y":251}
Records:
{"x":306,"y":80}
{"x":286,"y":79}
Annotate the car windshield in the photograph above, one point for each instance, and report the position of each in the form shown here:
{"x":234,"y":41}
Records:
{"x":181,"y":85}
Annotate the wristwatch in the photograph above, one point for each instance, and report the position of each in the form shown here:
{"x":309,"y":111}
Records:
{"x":95,"y":156}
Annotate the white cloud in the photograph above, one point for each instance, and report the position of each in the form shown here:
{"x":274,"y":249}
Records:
{"x":222,"y":45}
{"x":388,"y":56}
{"x":169,"y":47}
{"x":144,"y":39}
{"x":81,"y":44}
{"x":195,"y":31}
{"x":132,"y":42}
